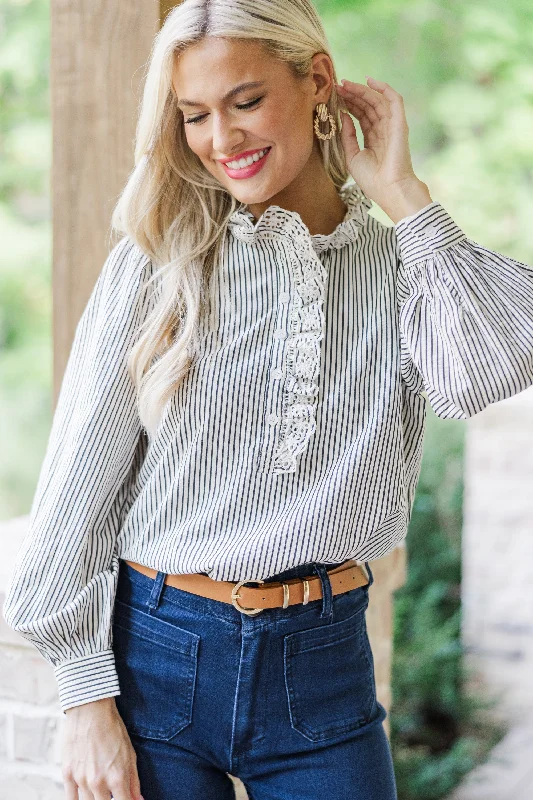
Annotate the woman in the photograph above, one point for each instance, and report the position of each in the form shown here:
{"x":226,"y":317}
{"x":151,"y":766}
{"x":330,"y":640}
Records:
{"x":241,"y":419}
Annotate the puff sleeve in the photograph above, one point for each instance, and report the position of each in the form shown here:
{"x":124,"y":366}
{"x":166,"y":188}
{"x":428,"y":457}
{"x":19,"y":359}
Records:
{"x":61,"y":593}
{"x":465,"y":316}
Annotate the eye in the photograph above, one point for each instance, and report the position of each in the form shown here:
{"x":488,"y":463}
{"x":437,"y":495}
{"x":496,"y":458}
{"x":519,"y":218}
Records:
{"x":250,"y":104}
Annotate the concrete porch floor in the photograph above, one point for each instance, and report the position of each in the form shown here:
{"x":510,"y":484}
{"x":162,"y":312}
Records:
{"x":508,"y":772}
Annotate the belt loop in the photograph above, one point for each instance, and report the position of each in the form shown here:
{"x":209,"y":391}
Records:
{"x":157,"y":588}
{"x":370,"y":575}
{"x":327,"y":593}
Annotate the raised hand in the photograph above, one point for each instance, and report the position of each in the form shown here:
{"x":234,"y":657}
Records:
{"x":383,"y":168}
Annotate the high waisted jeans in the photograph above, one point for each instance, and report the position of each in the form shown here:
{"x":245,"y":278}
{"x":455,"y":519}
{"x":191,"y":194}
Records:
{"x":285,"y":700}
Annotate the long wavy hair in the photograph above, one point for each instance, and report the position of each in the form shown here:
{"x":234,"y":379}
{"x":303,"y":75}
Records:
{"x":171,"y":207}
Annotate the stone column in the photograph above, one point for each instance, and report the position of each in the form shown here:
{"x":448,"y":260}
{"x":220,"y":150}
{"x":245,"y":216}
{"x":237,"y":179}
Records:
{"x":498,"y":551}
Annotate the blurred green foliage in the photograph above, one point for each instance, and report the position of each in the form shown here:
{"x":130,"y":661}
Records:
{"x":25,"y":257}
{"x":465,"y":70}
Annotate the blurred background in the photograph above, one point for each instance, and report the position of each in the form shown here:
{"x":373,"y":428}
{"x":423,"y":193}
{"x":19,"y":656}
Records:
{"x":463,"y":619}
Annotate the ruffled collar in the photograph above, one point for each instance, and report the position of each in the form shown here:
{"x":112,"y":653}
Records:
{"x":277,"y":221}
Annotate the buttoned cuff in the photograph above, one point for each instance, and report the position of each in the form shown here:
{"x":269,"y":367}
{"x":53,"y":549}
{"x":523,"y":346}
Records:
{"x":88,"y":678}
{"x":421,"y":235}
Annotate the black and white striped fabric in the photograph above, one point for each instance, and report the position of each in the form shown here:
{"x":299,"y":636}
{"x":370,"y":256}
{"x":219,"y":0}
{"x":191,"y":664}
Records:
{"x":296,"y":436}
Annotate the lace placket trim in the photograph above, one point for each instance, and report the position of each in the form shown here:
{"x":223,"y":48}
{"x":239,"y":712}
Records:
{"x":302,"y":354}
{"x":307,"y":322}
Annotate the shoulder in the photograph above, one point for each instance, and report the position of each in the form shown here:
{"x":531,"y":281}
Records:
{"x":126,"y":258}
{"x":375,"y":227}
{"x":122,"y":288}
{"x":377,"y":239}
{"x":126,"y":270}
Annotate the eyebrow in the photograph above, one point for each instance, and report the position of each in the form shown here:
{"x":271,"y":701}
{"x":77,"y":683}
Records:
{"x":236,"y":90}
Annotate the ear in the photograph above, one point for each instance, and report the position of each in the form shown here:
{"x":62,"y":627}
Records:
{"x":323,"y":76}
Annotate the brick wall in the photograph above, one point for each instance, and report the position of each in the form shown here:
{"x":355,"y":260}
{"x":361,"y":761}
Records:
{"x":30,"y":715}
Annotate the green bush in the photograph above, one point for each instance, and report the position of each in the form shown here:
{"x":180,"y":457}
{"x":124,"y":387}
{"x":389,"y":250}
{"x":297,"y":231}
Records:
{"x":437,"y":734}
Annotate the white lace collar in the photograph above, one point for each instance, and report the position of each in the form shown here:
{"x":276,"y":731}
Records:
{"x":278,"y":221}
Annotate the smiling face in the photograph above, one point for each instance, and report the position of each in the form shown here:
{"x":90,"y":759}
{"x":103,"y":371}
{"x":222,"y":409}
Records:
{"x":273,"y":118}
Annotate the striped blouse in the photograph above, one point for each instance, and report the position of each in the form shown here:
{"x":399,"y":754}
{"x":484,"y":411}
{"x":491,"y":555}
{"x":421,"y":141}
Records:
{"x":296,"y":435}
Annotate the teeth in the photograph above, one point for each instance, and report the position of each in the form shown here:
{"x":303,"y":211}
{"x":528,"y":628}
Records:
{"x":246,"y":162}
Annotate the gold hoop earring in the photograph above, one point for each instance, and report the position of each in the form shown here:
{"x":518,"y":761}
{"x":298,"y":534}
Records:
{"x":323,"y":115}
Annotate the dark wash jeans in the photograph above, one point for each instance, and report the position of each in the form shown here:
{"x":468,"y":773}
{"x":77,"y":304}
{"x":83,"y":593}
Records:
{"x":285,"y":700}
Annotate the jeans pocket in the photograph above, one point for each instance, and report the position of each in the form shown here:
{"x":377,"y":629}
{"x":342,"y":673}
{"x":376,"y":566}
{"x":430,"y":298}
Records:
{"x":329,"y":678}
{"x":156,"y":664}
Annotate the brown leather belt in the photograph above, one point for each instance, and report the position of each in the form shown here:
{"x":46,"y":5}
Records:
{"x":253,"y":599}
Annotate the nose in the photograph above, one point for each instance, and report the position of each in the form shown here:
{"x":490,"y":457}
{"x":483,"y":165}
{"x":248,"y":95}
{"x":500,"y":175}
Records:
{"x":226,"y":138}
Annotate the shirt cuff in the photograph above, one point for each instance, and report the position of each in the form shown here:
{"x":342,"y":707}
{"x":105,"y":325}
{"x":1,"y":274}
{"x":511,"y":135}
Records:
{"x":88,"y":678}
{"x":422,"y":234}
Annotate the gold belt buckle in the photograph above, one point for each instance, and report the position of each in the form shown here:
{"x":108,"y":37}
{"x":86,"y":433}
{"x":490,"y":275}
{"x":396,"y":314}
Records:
{"x":235,"y":595}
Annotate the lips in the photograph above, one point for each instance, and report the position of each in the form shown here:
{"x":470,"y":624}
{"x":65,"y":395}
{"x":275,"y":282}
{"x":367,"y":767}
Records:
{"x":242,"y":155}
{"x":251,"y":169}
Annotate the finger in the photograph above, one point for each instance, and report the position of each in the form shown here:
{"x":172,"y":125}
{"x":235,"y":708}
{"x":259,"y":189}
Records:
{"x":352,"y":100}
{"x":376,"y":99}
{"x":135,"y":784}
{"x":119,"y":791}
{"x":349,"y":136}
{"x":373,"y":130}
{"x":128,"y":786}
{"x":104,"y":794}
{"x":361,"y":112}
{"x":394,"y":97}
{"x":71,"y":789}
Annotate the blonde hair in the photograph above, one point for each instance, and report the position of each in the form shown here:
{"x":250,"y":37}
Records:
{"x":172,"y":207}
